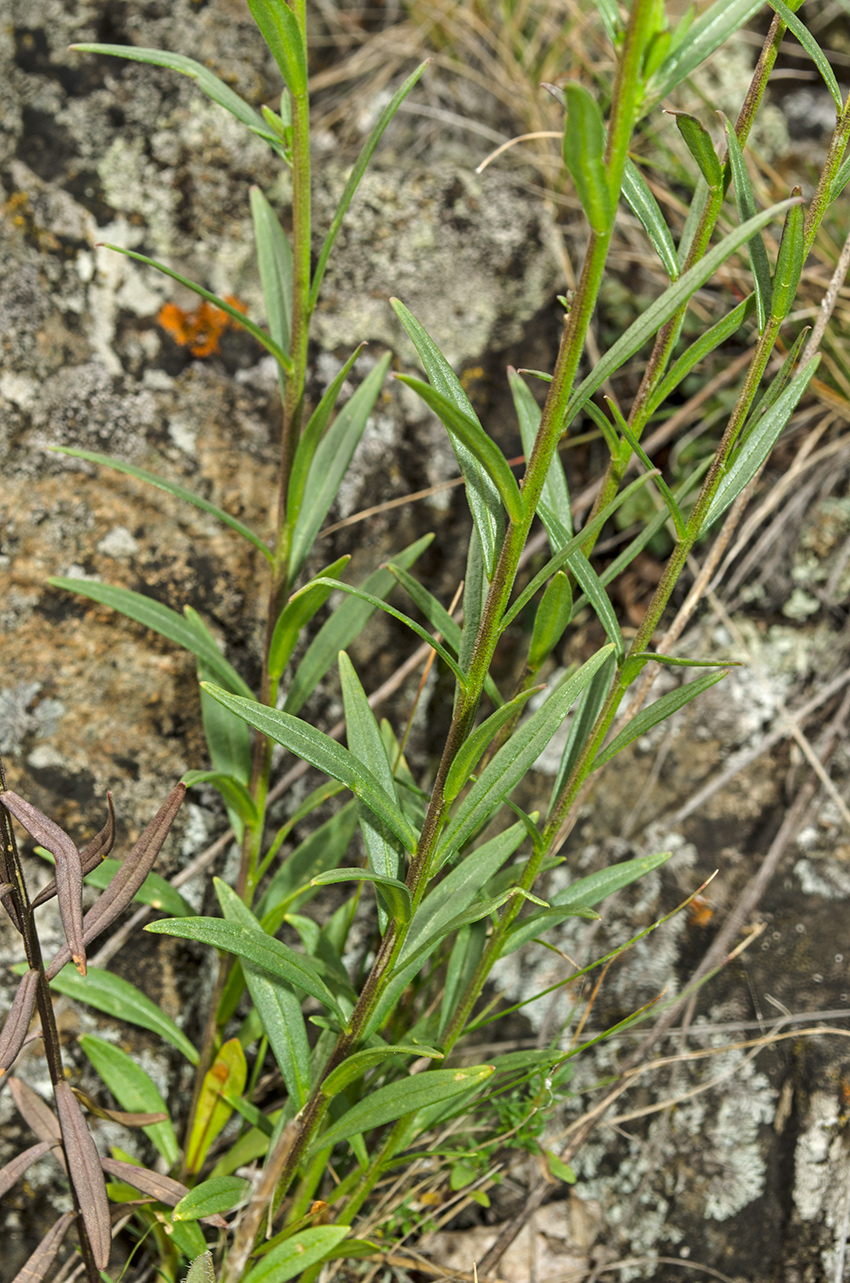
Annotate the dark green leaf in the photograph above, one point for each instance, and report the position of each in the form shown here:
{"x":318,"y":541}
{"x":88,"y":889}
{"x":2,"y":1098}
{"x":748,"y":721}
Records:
{"x":647,"y":718}
{"x":584,"y":156}
{"x":325,"y":754}
{"x":281,"y":33}
{"x":711,"y":29}
{"x":472,"y":748}
{"x":312,"y":435}
{"x":294,"y":1255}
{"x":789,"y":262}
{"x":706,"y":343}
{"x":812,"y":48}
{"x":746,"y":209}
{"x":170,"y":487}
{"x":593,"y":590}
{"x":536,"y":923}
{"x":298,"y":612}
{"x":598,"y":886}
{"x":233,"y":790}
{"x":210,"y":1197}
{"x":356,"y":1066}
{"x":554,"y":506}
{"x":391,"y":891}
{"x":639,"y":196}
{"x":274,"y":259}
{"x":122,"y":1000}
{"x":133,"y":1089}
{"x":698,"y":142}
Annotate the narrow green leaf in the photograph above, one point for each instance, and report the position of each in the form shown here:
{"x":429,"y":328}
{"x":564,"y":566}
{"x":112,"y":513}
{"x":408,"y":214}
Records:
{"x":674,"y":297}
{"x":758,"y":444}
{"x":698,"y":142}
{"x":746,"y":209}
{"x":154,"y":891}
{"x":170,"y":487}
{"x":272,"y":955}
{"x":233,"y":312}
{"x":212,"y":1197}
{"x":554,"y":508}
{"x":840,"y":181}
{"x":644,"y":205}
{"x":598,"y":886}
{"x":663,"y":708}
{"x":470,"y":433}
{"x":812,"y":48}
{"x":160,"y":619}
{"x":707,"y":342}
{"x":281,"y":33}
{"x":134,"y":1090}
{"x":118,"y":998}
{"x":584,"y":156}
{"x":392,"y":891}
{"x":296,"y":1254}
{"x":481,"y":493}
{"x":436,"y":614}
{"x":279,"y":1010}
{"x":565,"y":553}
{"x":386,"y":856}
{"x":789,"y":262}
{"x":297,"y":613}
{"x":472,"y":748}
{"x":519,"y":933}
{"x":776,"y":386}
{"x":330,"y":463}
{"x":344,"y":625}
{"x":512,"y":761}
{"x":274,"y":259}
{"x":358,"y":1064}
{"x":214,"y":88}
{"x":233,"y":790}
{"x":553,"y":615}
{"x":559,"y":1169}
{"x":312,"y":435}
{"x":475,"y":912}
{"x":711,"y":29}
{"x":325,"y":754}
{"x":324,"y":848}
{"x":403,"y":1097}
{"x":360,"y":166}
{"x":666,"y":493}
{"x":593,"y":590}
{"x":379,"y":604}
{"x":463,"y":960}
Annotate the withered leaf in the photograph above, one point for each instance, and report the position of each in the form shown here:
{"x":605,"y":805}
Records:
{"x":34,"y":1270}
{"x":38,"y":1115}
{"x":90,"y":856}
{"x":17,"y":1022}
{"x":130,"y":876}
{"x":86,"y":1173}
{"x":69,"y":870}
{"x":118,"y":1115}
{"x":14,"y":1170}
{"x":7,"y":872}
{"x":162,"y":1188}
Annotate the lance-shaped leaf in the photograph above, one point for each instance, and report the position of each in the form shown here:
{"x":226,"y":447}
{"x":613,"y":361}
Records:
{"x":789,"y":261}
{"x":14,"y":1170}
{"x":514,"y":759}
{"x":706,"y":343}
{"x":91,"y":855}
{"x":356,"y":1066}
{"x":226,"y":1076}
{"x":69,"y":871}
{"x":391,"y":891}
{"x":117,"y":997}
{"x":403,"y":1097}
{"x":162,"y":1188}
{"x":711,"y":29}
{"x":642,"y":202}
{"x":85,"y":1172}
{"x":471,"y":749}
{"x":272,"y":955}
{"x":746,"y":208}
{"x":37,"y":1265}
{"x":298,"y":612}
{"x":278,"y":1007}
{"x":133,"y":1088}
{"x":553,"y":615}
{"x":17,"y":1023}
{"x":39,"y":1116}
{"x":326,"y":755}
{"x":584,"y":156}
{"x":470,"y":433}
{"x":698,"y":142}
{"x":536,"y":923}
{"x":663,"y":708}
{"x":274,"y":259}
{"x":220,"y":1194}
{"x":759,"y":443}
{"x":356,"y":175}
{"x":214,"y":88}
{"x":812,"y":48}
{"x":598,"y":886}
{"x":127,"y":881}
{"x":481,"y":493}
{"x":330,"y":463}
{"x":312,"y":435}
{"x":282,"y":34}
{"x":294,"y":1256}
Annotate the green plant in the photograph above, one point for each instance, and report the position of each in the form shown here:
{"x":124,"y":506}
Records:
{"x":454,"y":883}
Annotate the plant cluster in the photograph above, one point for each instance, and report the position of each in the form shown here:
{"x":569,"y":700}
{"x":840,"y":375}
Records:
{"x":368,"y":1063}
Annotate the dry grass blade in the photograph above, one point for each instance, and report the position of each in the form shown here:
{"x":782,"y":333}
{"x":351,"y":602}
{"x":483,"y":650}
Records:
{"x":17,"y":1022}
{"x":162,"y":1188}
{"x":85,"y":1172}
{"x":132,"y":873}
{"x":13,"y":1171}
{"x":69,"y":870}
{"x":90,"y":856}
{"x":35,"y":1268}
{"x":118,"y":1115}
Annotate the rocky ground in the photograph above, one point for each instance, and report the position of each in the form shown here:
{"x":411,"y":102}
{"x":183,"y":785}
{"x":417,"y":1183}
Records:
{"x":744,"y":1173}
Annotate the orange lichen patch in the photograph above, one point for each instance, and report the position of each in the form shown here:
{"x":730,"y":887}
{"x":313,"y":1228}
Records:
{"x":201,"y":329}
{"x":700,"y":913}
